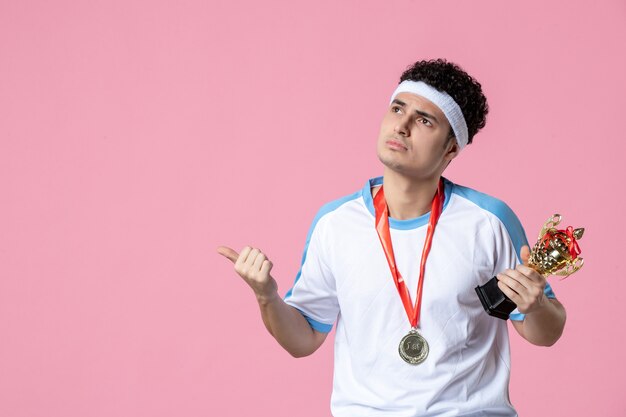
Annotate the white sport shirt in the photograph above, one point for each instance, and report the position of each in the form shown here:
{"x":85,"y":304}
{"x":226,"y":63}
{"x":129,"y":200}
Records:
{"x":345,"y":279}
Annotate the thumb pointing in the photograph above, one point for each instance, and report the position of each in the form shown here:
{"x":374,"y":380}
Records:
{"x":228,"y":253}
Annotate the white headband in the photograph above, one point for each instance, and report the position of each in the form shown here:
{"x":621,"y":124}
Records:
{"x":448,"y":106}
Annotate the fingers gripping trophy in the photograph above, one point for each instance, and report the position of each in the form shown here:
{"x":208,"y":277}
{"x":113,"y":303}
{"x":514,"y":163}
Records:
{"x":555,"y":253}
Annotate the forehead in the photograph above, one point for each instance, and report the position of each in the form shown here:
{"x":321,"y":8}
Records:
{"x":422,"y":104}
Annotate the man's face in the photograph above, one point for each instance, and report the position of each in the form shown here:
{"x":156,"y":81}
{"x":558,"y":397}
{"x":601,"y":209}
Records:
{"x":413,"y":138}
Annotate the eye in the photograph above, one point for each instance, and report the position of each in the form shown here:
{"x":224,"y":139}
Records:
{"x":396,"y":109}
{"x":425,"y":122}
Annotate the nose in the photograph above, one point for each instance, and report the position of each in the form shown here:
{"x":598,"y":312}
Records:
{"x":402,"y":125}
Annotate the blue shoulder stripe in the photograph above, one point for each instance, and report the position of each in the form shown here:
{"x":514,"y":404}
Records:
{"x":501,"y":211}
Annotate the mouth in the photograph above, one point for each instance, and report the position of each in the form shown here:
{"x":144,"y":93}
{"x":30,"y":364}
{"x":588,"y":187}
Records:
{"x":396,"y":144}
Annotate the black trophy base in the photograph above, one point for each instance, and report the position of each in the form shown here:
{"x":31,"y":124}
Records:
{"x":494,"y":301}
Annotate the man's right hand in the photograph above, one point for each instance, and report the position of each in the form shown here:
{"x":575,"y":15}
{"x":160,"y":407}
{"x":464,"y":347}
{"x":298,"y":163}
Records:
{"x":254,"y":267}
{"x":284,"y":322}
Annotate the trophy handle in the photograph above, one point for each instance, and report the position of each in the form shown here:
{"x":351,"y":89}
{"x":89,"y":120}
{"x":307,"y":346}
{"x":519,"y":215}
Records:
{"x":549,"y":224}
{"x":571,"y":268}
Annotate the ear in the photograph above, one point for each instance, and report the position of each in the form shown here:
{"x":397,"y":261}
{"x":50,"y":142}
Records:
{"x":452,"y":149}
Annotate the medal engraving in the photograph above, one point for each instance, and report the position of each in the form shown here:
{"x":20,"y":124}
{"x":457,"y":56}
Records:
{"x":413,"y":348}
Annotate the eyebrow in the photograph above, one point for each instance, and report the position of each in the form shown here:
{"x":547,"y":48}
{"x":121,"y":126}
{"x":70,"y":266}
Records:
{"x":421,"y":113}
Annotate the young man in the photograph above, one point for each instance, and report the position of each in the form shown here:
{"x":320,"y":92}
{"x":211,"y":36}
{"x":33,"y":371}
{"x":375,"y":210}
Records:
{"x":412,"y":337}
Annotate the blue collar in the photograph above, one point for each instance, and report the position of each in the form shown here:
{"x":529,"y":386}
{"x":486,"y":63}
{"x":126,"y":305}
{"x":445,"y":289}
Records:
{"x":407,"y":224}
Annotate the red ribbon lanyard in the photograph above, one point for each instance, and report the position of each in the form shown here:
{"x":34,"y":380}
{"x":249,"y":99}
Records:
{"x":382,"y":228}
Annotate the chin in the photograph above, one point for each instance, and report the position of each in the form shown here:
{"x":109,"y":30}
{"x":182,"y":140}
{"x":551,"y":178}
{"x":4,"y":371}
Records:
{"x":392,"y":164}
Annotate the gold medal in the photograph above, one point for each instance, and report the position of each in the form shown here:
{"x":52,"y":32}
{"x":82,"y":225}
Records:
{"x":413,"y":348}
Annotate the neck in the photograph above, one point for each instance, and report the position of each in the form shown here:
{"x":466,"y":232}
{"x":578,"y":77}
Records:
{"x":407,"y":197}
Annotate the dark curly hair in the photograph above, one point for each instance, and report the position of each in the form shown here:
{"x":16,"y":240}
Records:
{"x":462,"y":87}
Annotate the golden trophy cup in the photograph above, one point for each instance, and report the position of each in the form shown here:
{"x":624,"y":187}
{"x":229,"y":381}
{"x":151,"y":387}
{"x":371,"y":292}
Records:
{"x":555,"y":253}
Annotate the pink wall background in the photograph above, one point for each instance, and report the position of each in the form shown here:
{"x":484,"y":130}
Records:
{"x":137,"y":136}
